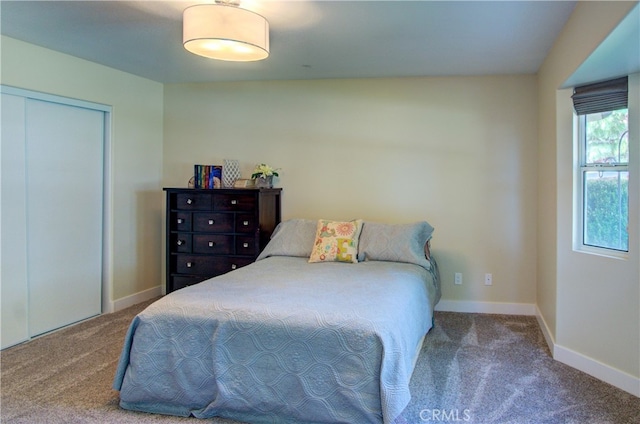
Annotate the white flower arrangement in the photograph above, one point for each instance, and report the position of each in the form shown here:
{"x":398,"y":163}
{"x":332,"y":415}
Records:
{"x":263,"y":171}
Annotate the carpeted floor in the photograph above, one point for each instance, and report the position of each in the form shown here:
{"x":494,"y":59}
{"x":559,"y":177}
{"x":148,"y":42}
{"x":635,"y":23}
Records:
{"x":473,"y":368}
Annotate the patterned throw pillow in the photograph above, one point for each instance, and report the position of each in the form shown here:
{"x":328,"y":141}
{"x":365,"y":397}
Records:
{"x":336,"y":241}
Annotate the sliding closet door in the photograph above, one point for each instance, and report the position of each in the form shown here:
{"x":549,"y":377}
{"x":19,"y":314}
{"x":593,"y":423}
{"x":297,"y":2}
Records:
{"x":13,"y":269}
{"x":64,"y":202}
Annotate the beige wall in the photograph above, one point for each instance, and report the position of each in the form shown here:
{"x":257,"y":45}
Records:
{"x":589,"y":303}
{"x":136,"y":151}
{"x":457,"y":152}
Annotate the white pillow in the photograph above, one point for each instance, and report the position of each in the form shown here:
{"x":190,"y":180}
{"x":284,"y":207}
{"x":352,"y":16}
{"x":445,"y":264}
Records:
{"x":293,"y":237}
{"x":396,"y":243}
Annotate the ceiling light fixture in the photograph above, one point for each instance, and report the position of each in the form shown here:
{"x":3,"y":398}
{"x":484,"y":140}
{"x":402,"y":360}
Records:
{"x":225,"y":31}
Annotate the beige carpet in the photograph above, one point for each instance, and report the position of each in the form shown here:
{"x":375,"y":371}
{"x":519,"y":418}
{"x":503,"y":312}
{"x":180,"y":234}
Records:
{"x":473,"y":368}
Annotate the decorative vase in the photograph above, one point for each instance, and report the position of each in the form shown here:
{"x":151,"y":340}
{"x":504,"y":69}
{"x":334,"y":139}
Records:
{"x":230,"y":172}
{"x":264,"y":182}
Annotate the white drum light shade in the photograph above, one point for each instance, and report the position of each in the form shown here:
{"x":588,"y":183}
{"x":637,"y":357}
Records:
{"x":225,"y":32}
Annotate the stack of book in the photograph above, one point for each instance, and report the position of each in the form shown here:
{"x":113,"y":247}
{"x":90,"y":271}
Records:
{"x":207,"y":176}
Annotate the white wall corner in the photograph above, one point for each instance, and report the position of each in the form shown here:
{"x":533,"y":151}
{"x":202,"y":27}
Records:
{"x":467,"y":306}
{"x":606,"y":373}
{"x":546,"y":332}
{"x":125,"y":302}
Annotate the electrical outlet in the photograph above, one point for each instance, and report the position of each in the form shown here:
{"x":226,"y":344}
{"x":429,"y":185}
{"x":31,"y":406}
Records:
{"x":488,"y":279}
{"x":458,"y":278}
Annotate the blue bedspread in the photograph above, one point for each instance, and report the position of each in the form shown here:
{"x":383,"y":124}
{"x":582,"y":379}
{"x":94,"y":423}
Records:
{"x":282,"y":341}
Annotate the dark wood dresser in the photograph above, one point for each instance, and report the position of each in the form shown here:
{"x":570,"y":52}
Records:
{"x":211,"y":232}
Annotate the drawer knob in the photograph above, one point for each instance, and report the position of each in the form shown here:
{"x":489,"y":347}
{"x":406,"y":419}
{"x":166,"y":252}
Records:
{"x":180,"y":221}
{"x":180,"y":242}
{"x":234,"y":266}
{"x":189,"y":201}
{"x":211,"y":222}
{"x":245,"y":223}
{"x":212,"y":243}
{"x":189,"y":264}
{"x":234,"y":202}
{"x":245,"y":244}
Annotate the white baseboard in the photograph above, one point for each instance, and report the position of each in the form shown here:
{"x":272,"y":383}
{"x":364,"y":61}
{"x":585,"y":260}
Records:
{"x":597,"y":369}
{"x":133,"y":299}
{"x":502,"y":308}
{"x":546,"y":332}
{"x":590,"y":366}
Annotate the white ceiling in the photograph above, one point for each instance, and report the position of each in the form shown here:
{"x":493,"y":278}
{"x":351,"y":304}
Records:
{"x":309,"y":39}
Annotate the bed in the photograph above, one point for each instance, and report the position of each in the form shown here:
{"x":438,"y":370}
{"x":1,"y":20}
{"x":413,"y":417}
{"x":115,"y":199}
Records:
{"x":289,"y":340}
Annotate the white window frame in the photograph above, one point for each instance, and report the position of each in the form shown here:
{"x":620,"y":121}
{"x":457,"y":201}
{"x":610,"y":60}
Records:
{"x":581,"y":168}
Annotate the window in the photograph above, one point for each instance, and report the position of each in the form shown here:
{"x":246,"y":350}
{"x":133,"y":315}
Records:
{"x":603,"y":172}
{"x":604,"y":161}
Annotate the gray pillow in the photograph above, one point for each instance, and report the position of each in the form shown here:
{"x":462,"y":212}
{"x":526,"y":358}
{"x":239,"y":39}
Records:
{"x":294,"y":237}
{"x":396,"y":243}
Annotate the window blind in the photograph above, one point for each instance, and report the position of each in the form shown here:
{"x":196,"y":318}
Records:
{"x":601,"y":96}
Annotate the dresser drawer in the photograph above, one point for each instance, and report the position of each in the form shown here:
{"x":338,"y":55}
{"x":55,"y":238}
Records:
{"x":197,"y":265}
{"x":180,"y":221}
{"x":246,"y":246}
{"x":234,"y":202}
{"x":213,"y":243}
{"x":208,"y":265}
{"x":232,"y":263}
{"x":180,"y":242}
{"x":246,"y":223}
{"x":181,"y":281}
{"x":212,"y":222}
{"x":193,"y":201}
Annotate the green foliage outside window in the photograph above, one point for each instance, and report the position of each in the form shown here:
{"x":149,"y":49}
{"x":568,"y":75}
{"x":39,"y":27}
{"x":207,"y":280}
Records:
{"x":607,"y":213}
{"x":607,"y":138}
